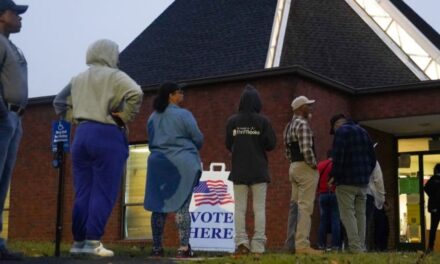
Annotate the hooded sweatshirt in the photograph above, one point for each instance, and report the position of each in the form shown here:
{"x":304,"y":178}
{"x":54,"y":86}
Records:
{"x":248,"y":136}
{"x":100,"y":90}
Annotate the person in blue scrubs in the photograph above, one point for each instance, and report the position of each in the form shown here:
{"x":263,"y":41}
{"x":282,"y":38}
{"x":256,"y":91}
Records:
{"x":174,"y":166}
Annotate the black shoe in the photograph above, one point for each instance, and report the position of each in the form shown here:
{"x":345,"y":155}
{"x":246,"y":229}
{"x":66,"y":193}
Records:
{"x":185,"y":253}
{"x":157,"y":252}
{"x":241,"y":250}
{"x":5,"y":254}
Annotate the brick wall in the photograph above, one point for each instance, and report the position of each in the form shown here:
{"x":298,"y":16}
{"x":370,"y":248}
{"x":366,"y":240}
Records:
{"x":34,"y":185}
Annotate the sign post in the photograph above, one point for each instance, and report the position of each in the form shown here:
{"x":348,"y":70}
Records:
{"x":60,"y":145}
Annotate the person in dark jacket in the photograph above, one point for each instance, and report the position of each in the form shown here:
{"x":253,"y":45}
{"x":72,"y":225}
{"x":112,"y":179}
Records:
{"x":432,"y":189}
{"x":353,"y":162}
{"x":248,"y":136}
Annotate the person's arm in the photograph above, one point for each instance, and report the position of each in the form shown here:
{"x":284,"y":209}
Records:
{"x":193,"y":130}
{"x":305,"y":141}
{"x":378,"y":179}
{"x":130,"y":93}
{"x":286,"y":134}
{"x":63,"y":103}
{"x":337,"y":154}
{"x":3,"y":109}
{"x":429,"y":188}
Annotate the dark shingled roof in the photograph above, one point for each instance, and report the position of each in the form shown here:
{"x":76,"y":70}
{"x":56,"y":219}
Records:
{"x":196,"y":39}
{"x":328,"y":37}
{"x":201,"y":38}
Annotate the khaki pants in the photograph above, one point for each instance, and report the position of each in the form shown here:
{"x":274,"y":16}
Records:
{"x":304,"y":181}
{"x":259,"y":206}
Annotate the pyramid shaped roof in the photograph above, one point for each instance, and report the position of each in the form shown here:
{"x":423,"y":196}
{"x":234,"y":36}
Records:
{"x":196,"y":39}
{"x":199,"y":38}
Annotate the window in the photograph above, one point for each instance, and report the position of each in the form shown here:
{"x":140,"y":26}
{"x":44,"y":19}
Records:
{"x":409,"y":202}
{"x":136,"y":219}
{"x":413,"y":144}
{"x":422,"y":53}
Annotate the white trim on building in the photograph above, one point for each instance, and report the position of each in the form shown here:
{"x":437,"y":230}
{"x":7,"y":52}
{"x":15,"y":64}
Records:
{"x":278,"y":33}
{"x":410,"y":45}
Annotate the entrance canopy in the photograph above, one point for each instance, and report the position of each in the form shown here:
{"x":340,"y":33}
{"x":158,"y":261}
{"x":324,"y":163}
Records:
{"x":407,"y":126}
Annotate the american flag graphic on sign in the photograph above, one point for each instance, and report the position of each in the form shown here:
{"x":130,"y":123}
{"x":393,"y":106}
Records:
{"x":212,"y":192}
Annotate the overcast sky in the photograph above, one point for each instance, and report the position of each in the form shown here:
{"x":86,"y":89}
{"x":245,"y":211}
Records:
{"x":56,"y":33}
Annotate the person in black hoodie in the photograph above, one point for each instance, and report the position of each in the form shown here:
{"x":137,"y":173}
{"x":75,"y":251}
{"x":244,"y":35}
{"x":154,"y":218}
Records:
{"x":432,"y":189}
{"x":248,"y":136}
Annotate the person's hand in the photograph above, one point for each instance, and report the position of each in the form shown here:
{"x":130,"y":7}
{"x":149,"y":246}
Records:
{"x":117,"y":114}
{"x":117,"y":117}
{"x":330,"y":182}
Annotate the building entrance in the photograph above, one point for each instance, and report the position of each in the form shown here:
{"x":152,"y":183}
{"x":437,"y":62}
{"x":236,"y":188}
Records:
{"x":414,"y":171}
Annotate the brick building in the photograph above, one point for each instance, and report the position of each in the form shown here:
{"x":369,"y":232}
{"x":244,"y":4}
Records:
{"x":343,"y":53}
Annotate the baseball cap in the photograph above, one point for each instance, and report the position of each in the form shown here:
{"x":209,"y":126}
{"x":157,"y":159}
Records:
{"x":333,"y":120}
{"x":10,"y":5}
{"x":300,"y":101}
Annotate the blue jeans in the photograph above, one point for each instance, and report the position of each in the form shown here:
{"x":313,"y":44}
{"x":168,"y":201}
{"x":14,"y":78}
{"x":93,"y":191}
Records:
{"x":10,"y":136}
{"x":328,"y":207}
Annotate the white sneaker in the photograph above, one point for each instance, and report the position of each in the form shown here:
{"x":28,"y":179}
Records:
{"x":77,"y":247}
{"x":94,"y":247}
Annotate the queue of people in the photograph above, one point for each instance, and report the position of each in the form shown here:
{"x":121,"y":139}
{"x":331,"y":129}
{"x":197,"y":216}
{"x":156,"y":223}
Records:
{"x":102,"y":100}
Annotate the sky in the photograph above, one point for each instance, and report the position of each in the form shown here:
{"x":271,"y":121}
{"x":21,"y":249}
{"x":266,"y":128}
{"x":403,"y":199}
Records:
{"x":56,"y":33}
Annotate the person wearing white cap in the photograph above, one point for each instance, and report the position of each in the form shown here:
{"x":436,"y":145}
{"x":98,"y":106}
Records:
{"x":303,"y":175}
{"x":13,"y":101}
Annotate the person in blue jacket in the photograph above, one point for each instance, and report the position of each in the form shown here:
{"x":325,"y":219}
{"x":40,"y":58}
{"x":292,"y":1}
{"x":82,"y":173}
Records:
{"x":174,"y":165}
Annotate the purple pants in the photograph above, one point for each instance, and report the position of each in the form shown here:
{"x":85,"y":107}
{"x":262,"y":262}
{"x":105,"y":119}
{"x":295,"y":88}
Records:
{"x":99,"y":153}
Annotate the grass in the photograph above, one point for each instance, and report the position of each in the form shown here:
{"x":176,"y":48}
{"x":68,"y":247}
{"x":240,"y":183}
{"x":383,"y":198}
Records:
{"x":46,"y":249}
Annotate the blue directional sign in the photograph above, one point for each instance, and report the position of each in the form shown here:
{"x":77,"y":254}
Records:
{"x":61,"y":133}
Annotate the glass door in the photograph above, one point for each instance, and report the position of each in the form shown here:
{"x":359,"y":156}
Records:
{"x":410,"y":202}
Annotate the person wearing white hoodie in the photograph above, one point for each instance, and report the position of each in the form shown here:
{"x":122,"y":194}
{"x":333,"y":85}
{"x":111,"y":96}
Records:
{"x":375,"y":210}
{"x":101,"y":101}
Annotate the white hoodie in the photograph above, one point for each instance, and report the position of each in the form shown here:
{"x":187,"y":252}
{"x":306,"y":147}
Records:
{"x":376,"y":187}
{"x":100,"y":90}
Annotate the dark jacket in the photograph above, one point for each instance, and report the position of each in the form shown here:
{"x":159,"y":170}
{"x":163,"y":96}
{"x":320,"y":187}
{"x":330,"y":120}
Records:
{"x":248,"y":136}
{"x":353,"y":155}
{"x":432,"y":189}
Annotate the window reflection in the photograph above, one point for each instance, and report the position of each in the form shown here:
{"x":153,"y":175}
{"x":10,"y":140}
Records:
{"x":409,"y":202}
{"x":136,"y":219}
{"x":6,"y":217}
{"x":424,"y":61}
